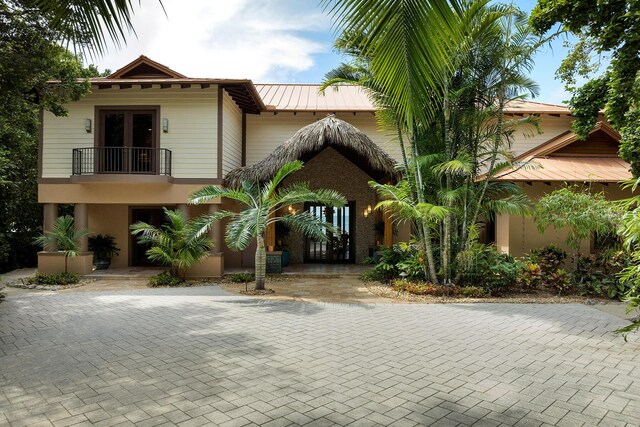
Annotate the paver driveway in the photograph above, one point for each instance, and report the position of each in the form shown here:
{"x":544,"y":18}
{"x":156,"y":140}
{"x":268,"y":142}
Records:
{"x":201,"y":356}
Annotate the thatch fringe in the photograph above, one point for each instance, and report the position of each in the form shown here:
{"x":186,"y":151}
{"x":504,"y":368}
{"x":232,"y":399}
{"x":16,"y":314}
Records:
{"x":310,"y":140}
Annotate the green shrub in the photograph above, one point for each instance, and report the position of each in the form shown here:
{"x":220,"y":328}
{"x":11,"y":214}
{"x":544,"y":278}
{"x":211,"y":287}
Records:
{"x":60,"y":279}
{"x":423,"y":288}
{"x":484,"y":267}
{"x":530,"y":276}
{"x":400,"y":258}
{"x":241,"y":277}
{"x":560,"y":280}
{"x":164,"y":279}
{"x":549,"y":257}
{"x":472,"y":292}
{"x":599,"y":276}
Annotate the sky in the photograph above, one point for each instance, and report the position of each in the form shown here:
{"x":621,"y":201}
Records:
{"x":268,"y":41}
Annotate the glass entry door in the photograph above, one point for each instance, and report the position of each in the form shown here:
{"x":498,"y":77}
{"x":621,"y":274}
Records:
{"x":340,"y":247}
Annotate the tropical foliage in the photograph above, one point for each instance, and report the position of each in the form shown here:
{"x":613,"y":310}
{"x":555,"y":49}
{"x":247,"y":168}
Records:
{"x":174,"y":244}
{"x":578,"y":211}
{"x":63,"y":237}
{"x":458,"y":135}
{"x":603,"y":28}
{"x":265,"y":204}
{"x":33,"y":36}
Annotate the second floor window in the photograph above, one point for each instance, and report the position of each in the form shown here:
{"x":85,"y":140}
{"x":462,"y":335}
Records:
{"x":128,"y":140}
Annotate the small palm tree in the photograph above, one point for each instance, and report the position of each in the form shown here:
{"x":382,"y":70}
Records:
{"x":263,"y":202}
{"x":173,"y":244}
{"x":64,"y":237}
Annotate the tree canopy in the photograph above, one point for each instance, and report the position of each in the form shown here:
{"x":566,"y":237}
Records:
{"x":603,"y":28}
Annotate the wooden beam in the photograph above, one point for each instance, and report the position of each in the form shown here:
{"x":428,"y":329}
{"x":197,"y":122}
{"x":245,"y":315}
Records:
{"x":388,"y":229}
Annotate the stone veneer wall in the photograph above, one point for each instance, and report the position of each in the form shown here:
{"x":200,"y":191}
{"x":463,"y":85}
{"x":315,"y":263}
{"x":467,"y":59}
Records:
{"x":329,"y":169}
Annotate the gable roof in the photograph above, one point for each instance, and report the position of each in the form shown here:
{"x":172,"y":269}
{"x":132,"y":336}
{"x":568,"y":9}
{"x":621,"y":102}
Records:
{"x":540,"y":164}
{"x":145,"y":68}
{"x":564,"y":139}
{"x":312,"y":139}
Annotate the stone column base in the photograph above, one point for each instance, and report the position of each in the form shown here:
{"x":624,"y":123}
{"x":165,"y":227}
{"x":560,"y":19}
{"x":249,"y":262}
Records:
{"x":53,"y":263}
{"x":210,"y":267}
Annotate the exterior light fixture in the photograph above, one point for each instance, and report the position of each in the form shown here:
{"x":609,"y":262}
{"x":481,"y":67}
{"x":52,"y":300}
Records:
{"x":165,"y":125}
{"x":87,"y":125}
{"x":366,"y":213}
{"x":369,"y":209}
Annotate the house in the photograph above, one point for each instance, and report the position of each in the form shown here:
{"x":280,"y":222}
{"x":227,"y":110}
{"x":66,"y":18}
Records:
{"x":147,"y":136}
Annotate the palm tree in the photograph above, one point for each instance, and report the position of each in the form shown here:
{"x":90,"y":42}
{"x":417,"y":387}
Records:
{"x":82,"y":22}
{"x":63,"y":237}
{"x":174,"y":243}
{"x":263,"y":206}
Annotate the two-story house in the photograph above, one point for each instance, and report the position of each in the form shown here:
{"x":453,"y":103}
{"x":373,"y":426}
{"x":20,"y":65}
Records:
{"x":146,"y":137}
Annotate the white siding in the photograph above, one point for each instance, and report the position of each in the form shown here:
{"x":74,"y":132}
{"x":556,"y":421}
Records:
{"x":231,"y":135}
{"x":266,"y":131}
{"x":192,"y":136}
{"x":528,"y":138}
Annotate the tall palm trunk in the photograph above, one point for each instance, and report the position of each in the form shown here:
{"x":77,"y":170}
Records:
{"x":261,"y":263}
{"x":426,"y":231}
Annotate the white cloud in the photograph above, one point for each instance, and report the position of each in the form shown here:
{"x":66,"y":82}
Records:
{"x":259,"y":39}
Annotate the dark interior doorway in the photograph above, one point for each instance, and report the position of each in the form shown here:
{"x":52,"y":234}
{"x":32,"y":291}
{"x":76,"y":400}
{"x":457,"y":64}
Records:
{"x":340,"y":248}
{"x":152,"y":216}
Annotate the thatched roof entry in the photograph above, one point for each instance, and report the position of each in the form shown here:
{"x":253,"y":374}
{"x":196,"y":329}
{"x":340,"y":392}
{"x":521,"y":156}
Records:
{"x":312,"y":139}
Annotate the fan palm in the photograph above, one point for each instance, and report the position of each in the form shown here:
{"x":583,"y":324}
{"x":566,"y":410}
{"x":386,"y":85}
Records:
{"x":174,"y":243}
{"x":63,"y":237}
{"x":263,"y":202}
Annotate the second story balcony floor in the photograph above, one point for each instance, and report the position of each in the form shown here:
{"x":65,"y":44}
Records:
{"x":103,"y":164}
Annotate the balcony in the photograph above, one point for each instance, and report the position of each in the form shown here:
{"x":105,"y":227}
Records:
{"x":121,"y":164}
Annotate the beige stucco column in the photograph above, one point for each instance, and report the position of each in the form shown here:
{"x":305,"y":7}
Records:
{"x":50,"y":215}
{"x":216,"y":229}
{"x":213,"y":265}
{"x":502,"y":233}
{"x":184,"y":209}
{"x":81,"y":220}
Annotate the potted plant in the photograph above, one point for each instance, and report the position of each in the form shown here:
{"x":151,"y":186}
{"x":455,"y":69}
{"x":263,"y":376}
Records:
{"x":104,"y":248}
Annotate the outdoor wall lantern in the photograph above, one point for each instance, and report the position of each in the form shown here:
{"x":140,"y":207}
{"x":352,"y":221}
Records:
{"x":367,"y":211}
{"x":87,"y":125}
{"x":165,"y":125}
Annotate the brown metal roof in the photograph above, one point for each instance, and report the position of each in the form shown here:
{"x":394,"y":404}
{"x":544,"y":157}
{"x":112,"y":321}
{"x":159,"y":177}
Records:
{"x":307,"y":97}
{"x":580,"y":169}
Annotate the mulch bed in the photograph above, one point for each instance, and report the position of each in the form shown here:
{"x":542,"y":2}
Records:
{"x":538,"y":297}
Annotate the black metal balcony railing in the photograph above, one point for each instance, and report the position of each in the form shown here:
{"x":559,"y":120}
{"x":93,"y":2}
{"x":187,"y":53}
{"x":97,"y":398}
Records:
{"x":121,"y":160}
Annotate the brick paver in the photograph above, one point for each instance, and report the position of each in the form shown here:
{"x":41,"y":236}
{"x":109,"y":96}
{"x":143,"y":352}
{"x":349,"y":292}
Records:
{"x":201,"y":356}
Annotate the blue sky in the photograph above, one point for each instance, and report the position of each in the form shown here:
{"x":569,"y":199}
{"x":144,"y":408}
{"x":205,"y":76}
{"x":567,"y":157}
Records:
{"x":269,"y":41}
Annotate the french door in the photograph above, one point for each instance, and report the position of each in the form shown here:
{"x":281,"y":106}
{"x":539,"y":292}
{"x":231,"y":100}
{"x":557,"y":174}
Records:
{"x":128,"y":142}
{"x":340,"y":246}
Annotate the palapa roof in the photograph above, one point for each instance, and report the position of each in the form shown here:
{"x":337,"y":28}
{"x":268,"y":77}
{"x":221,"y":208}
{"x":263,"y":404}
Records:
{"x":312,"y":139}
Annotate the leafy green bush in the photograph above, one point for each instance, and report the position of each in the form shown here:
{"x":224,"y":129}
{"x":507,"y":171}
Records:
{"x":530,"y":276}
{"x":560,"y":280}
{"x":400,"y":258}
{"x":599,"y":276}
{"x":241,"y":277}
{"x":60,"y":279}
{"x":164,"y":279}
{"x":484,"y":267}
{"x":549,"y":257}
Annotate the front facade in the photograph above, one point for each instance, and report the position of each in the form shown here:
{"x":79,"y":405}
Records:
{"x":146,"y":137}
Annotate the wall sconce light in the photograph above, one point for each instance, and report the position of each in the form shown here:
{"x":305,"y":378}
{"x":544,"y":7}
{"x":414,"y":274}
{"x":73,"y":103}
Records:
{"x":290,"y":209}
{"x":369,"y":209}
{"x":165,"y":125}
{"x":366,"y":213}
{"x":87,"y":125}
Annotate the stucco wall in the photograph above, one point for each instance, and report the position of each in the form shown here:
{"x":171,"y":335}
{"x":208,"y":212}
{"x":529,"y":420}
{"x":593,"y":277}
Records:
{"x":522,"y":233}
{"x":329,"y":169}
